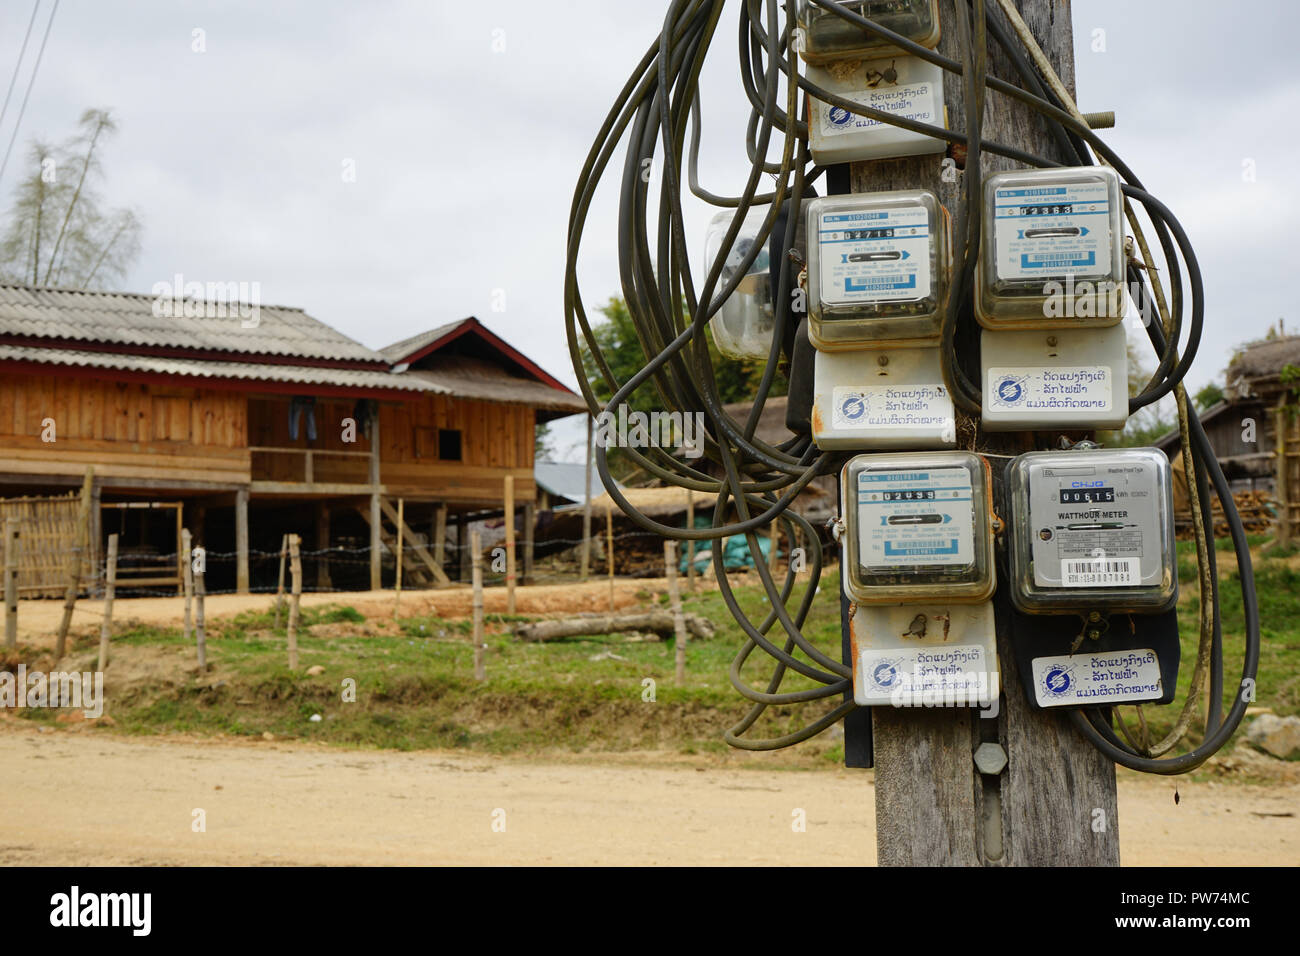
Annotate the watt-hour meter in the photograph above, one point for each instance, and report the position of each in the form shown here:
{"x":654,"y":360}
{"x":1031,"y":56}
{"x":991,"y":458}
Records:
{"x":905,"y":86}
{"x":918,"y":528}
{"x":742,"y":327}
{"x":826,"y":37}
{"x":877,"y":269}
{"x":1053,"y":250}
{"x":1092,"y":530}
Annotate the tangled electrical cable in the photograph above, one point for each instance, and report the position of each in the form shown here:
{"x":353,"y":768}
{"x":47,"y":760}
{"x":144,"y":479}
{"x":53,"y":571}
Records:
{"x":657,"y":114}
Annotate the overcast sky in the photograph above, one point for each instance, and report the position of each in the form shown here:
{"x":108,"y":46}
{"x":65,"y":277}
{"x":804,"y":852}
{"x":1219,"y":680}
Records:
{"x":467,"y":123}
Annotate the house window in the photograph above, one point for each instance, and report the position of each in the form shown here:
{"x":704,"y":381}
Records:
{"x":449,"y":444}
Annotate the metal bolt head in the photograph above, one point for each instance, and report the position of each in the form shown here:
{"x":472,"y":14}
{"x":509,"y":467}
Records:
{"x":882,"y":360}
{"x":1051,"y":340}
{"x":990,"y":759}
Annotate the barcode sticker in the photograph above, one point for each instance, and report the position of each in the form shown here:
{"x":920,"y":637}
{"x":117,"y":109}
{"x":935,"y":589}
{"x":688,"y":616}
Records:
{"x":1100,"y":572}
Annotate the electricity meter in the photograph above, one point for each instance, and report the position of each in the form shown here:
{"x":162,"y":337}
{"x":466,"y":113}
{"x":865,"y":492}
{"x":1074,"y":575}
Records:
{"x":878,"y":268}
{"x":1053,"y":249}
{"x":918,"y":528}
{"x":1092,"y":530}
{"x":906,"y":86}
{"x":742,"y":327}
{"x":826,"y":36}
{"x":1066,"y":378}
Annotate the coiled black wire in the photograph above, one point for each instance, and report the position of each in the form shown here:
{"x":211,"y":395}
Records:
{"x":657,"y":116}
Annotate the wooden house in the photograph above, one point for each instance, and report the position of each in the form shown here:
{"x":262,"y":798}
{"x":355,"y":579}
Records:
{"x":249,"y":424}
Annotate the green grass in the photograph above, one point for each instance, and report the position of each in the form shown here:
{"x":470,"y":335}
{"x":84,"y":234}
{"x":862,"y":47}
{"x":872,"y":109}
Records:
{"x":415,"y":687}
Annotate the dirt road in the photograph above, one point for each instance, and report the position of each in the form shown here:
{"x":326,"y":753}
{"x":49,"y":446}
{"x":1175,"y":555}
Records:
{"x":91,"y":798}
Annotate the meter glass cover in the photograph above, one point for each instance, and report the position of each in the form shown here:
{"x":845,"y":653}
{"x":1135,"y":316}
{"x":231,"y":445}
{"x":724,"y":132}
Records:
{"x":830,"y":37}
{"x":917,"y":528}
{"x":1053,"y":249}
{"x":742,"y":328}
{"x":1092,"y":529}
{"x":877,"y":269}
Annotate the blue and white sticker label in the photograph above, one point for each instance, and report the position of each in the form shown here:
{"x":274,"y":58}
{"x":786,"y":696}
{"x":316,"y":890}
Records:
{"x":923,"y":408}
{"x":875,"y":255}
{"x":1082,"y":388}
{"x":913,"y":101}
{"x":1049,"y":232}
{"x":1092,"y":679}
{"x":954,"y":675}
{"x":915,"y":518}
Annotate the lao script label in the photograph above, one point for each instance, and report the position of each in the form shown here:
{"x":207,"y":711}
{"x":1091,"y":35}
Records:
{"x":922,"y":407}
{"x":911,"y":102}
{"x":953,"y":675}
{"x":1077,"y":388}
{"x":1107,"y":677}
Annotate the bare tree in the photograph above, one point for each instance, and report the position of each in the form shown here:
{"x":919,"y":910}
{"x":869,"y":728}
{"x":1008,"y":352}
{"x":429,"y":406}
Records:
{"x":58,"y":232}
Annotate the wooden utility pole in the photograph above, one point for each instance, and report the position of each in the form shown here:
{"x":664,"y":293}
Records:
{"x":510,"y":543}
{"x":1054,"y":803}
{"x":476,"y":548}
{"x":241,"y":541}
{"x":12,"y":545}
{"x":110,"y":589}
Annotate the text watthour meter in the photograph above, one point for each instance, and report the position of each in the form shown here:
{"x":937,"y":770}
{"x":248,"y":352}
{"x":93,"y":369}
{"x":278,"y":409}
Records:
{"x":742,"y":327}
{"x":917,"y":564}
{"x":1092,"y":538}
{"x":824,"y":36}
{"x":878,"y":275}
{"x":1050,"y":297}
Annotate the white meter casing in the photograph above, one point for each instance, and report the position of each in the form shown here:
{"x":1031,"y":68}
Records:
{"x":881,"y":399}
{"x":1092,"y":530}
{"x":826,"y":37}
{"x":918,"y":528}
{"x":1053,"y":249}
{"x":878,"y":269}
{"x":1067,"y":378}
{"x":742,"y":328}
{"x":836,"y":135}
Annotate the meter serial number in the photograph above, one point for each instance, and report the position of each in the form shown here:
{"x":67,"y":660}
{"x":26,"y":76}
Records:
{"x":1076,"y":496}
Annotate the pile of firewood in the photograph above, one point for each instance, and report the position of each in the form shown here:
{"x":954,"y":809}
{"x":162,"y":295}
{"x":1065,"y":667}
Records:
{"x":1256,"y":508}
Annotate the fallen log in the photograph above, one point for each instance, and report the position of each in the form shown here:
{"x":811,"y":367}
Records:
{"x":661,"y":622}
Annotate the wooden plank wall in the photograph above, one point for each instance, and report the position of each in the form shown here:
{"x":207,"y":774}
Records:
{"x":495,"y":439}
{"x":124,"y":429}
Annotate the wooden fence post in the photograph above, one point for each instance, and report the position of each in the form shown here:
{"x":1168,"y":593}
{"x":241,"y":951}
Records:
{"x":609,"y":547}
{"x":690,"y":544}
{"x":279,"y":587}
{"x":187,"y":581}
{"x":110,"y":588}
{"x":510,"y":543}
{"x":476,"y":558}
{"x":397,"y":579}
{"x":586,"y":507}
{"x":74,"y":563}
{"x":675,"y":601}
{"x":13,"y":544}
{"x":295,"y":570}
{"x":200,"y":617}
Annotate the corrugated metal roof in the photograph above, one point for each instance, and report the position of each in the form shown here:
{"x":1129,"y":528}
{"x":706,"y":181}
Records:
{"x":477,"y":378}
{"x":567,"y":479}
{"x":129,"y":320}
{"x":400,"y":350}
{"x":203,"y":368}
